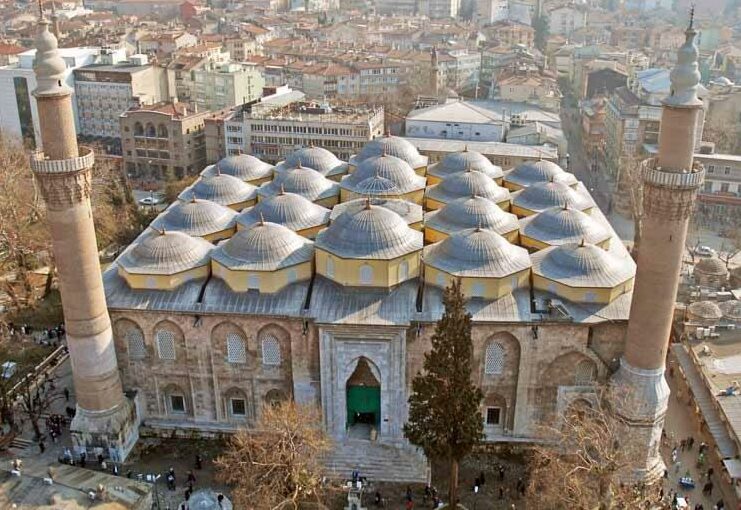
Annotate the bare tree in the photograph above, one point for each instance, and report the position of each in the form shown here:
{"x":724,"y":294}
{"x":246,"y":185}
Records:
{"x":276,"y":466}
{"x":581,"y":464}
{"x":631,"y":186}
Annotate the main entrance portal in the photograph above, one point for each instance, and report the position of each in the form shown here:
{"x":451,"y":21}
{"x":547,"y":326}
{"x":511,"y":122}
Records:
{"x":363,"y":396}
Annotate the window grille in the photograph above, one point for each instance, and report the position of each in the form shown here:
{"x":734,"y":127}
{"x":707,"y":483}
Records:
{"x":165,"y":344}
{"x":135,"y":341}
{"x":494,"y":363}
{"x":584,"y":374}
{"x":236,"y":351}
{"x":270,"y":351}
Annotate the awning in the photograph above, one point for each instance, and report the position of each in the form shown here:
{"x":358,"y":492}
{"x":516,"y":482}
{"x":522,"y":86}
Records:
{"x":733,"y":466}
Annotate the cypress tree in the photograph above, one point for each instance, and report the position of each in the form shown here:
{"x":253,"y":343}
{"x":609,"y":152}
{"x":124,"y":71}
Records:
{"x":444,"y":416}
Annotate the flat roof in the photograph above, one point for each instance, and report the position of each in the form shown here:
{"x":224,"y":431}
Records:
{"x":486,"y":148}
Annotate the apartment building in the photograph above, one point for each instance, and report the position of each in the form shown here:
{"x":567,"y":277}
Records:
{"x":720,"y":197}
{"x":491,"y":11}
{"x":18,"y":114}
{"x":216,"y":87}
{"x":104,"y":91}
{"x":283,"y":121}
{"x":566,"y":19}
{"x":164,"y":140}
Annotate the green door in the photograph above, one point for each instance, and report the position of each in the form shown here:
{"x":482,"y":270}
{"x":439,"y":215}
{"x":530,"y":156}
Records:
{"x":363,"y":405}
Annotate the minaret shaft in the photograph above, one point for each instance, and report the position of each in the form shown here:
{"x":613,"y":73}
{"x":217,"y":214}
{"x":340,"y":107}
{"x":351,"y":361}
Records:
{"x":58,"y":134}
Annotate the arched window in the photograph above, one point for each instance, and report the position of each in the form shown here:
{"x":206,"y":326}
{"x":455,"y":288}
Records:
{"x":291,"y":275}
{"x":477,"y":289}
{"x":494,"y":362}
{"x":151,"y":132}
{"x":403,"y":270}
{"x":330,"y":267}
{"x":366,"y":274}
{"x":584,"y":373}
{"x":253,"y":282}
{"x":440,"y":280}
{"x":270,"y":350}
{"x":165,"y":344}
{"x":135,"y":343}
{"x":162,"y":131}
{"x":138,"y":129}
{"x":236,"y":351}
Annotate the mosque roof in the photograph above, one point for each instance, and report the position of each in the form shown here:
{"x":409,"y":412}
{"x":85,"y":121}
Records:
{"x":731,"y":309}
{"x":393,"y":146}
{"x":220,"y":188}
{"x":543,"y":195}
{"x":457,"y":162}
{"x":471,"y":212}
{"x":530,"y":172}
{"x":370,"y":232}
{"x":411,"y":212}
{"x":562,"y":225}
{"x":390,"y":168}
{"x":165,"y":253}
{"x":316,"y":158}
{"x":477,"y":253}
{"x":712,"y":266}
{"x":300,"y":180}
{"x":242,"y":166}
{"x":264,"y":246}
{"x":288,"y":209}
{"x":466,"y":184}
{"x":582,"y":265}
{"x":196,"y":217}
{"x":705,"y":310}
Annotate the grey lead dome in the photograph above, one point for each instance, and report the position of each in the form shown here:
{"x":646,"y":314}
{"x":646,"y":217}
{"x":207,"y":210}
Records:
{"x":303,"y":181}
{"x":393,"y":146}
{"x":371,"y":232}
{"x":457,"y":162}
{"x":411,"y":213}
{"x":543,"y":195}
{"x":477,"y":253}
{"x":242,"y":166}
{"x":562,"y":225}
{"x":264,"y":246}
{"x":471,"y":212}
{"x":288,"y":209}
{"x":528,"y":173}
{"x":394,"y":169}
{"x":582,"y":265}
{"x":466,"y":184}
{"x":165,"y":253}
{"x":196,"y":217}
{"x":316,"y":158}
{"x":220,"y":188}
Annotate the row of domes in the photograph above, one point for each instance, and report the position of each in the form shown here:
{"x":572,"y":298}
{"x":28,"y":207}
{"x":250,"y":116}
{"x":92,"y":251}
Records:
{"x":382,"y":234}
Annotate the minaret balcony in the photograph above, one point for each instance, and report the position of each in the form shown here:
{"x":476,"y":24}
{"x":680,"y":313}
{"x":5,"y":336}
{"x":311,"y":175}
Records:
{"x":686,"y":179}
{"x":41,"y":165}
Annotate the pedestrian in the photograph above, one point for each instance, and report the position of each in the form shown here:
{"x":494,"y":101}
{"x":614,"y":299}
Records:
{"x":707,"y":489}
{"x":501,"y":493}
{"x":377,"y":499}
{"x":709,"y":473}
{"x":674,"y":455}
{"x":501,"y":473}
{"x":220,"y":500}
{"x":42,"y":446}
{"x":83,"y":458}
{"x":482,"y":480}
{"x":191,"y":478}
{"x":409,"y":494}
{"x":199,"y":461}
{"x":427,"y":494}
{"x":702,"y":447}
{"x":409,"y":505}
{"x":683,"y":444}
{"x":66,"y":394}
{"x":690,"y":442}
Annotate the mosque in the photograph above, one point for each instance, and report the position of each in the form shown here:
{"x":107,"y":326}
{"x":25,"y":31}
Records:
{"x":321,"y":280}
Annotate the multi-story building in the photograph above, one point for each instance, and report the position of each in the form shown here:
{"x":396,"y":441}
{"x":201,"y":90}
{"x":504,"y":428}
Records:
{"x":491,"y":11}
{"x":104,"y":91}
{"x":163,"y":8}
{"x":166,"y":43}
{"x":566,"y":19}
{"x":719,"y":201}
{"x":509,"y":33}
{"x":164,"y":140}
{"x":438,"y":9}
{"x":278,"y":124}
{"x":397,"y":7}
{"x":221,"y":86}
{"x":529,"y":87}
{"x":18,"y":113}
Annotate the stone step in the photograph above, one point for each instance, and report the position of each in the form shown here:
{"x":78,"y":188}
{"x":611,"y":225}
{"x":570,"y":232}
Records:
{"x":377,"y":462}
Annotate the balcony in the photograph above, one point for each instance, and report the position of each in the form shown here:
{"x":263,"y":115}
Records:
{"x":41,"y":165}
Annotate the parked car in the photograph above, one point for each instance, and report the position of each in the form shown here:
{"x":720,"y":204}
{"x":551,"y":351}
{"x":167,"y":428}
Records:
{"x":705,"y":251}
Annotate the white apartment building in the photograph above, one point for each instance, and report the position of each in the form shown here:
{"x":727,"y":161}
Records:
{"x":491,"y":11}
{"x":19,"y":117}
{"x":277,"y":125}
{"x":106,"y":90}
{"x":565,"y":19}
{"x":439,"y":9}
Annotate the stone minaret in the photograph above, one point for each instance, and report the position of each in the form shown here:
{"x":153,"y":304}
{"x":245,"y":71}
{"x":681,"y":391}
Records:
{"x":670,"y":183}
{"x":434,"y":68}
{"x":63,"y":172}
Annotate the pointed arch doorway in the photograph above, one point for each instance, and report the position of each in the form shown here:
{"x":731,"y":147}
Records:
{"x":363,"y":397}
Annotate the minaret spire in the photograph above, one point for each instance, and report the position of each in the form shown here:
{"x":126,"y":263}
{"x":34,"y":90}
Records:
{"x":63,"y":171}
{"x":670,"y":183}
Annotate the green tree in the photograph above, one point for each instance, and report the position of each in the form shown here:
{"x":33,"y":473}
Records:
{"x":540,"y":25}
{"x":444,"y":416}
